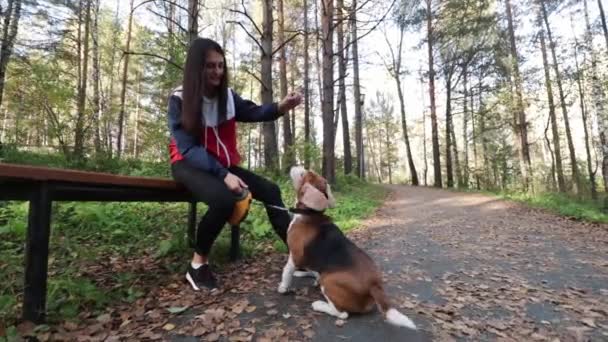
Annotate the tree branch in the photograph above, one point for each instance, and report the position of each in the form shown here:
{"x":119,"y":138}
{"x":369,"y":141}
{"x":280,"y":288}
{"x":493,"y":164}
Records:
{"x":155,"y":56}
{"x":177,"y":23}
{"x":257,"y":42}
{"x":244,"y":12}
{"x":375,"y":26}
{"x":254,"y":76}
{"x":284,"y":43}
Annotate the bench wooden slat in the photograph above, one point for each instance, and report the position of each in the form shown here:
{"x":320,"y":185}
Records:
{"x":37,"y":173}
{"x":42,"y":185}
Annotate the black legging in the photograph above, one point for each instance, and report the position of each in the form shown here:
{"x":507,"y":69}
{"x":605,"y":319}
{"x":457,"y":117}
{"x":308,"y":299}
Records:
{"x":212,"y":191}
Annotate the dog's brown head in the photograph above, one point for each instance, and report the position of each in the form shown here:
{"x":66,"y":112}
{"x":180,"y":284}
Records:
{"x":312,"y":190}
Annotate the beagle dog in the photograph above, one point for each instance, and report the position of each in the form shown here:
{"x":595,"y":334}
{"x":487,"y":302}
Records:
{"x":349,"y":278}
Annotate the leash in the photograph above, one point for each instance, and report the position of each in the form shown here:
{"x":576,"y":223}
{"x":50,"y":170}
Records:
{"x":291,"y":210}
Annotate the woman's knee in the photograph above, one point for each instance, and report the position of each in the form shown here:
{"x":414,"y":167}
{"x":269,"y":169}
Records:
{"x":273,"y":192}
{"x":223,"y":203}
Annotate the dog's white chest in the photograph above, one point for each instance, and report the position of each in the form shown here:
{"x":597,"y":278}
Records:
{"x":295,"y":218}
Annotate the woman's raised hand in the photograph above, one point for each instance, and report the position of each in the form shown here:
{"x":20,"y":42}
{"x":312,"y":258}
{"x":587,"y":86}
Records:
{"x":290,"y":102}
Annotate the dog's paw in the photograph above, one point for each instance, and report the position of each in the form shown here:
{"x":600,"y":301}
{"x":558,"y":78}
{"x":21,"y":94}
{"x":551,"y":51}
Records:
{"x":319,"y":305}
{"x":315,"y":283}
{"x":282,"y":289}
{"x":343,"y":315}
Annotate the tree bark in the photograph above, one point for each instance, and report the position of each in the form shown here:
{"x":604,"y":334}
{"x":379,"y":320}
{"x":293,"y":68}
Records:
{"x":360,"y":161}
{"x":288,"y":152}
{"x":96,"y":80}
{"x":585,"y":114}
{"x":271,"y":149}
{"x":521,"y":125}
{"x":10,"y":27}
{"x":561,"y":184}
{"x":193,"y":9}
{"x":79,"y":128}
{"x":348,"y":162}
{"x":123,"y":92}
{"x":448,"y":129}
{"x":603,"y":19}
{"x":434,"y":128}
{"x":465,"y":134}
{"x":306,"y":88}
{"x":327,"y":18}
{"x":558,"y":78}
{"x":599,"y":99}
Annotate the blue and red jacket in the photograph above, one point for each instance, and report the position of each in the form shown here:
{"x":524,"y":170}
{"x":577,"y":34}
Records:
{"x":216,"y":149}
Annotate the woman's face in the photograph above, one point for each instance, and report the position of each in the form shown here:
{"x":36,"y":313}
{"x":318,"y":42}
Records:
{"x":213,"y":70}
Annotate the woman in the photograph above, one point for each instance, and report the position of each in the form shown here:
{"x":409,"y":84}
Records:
{"x":204,"y":156}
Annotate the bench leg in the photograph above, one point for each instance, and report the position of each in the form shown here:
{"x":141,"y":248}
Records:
{"x":235,"y":248}
{"x":192,"y":225}
{"x":36,"y":256}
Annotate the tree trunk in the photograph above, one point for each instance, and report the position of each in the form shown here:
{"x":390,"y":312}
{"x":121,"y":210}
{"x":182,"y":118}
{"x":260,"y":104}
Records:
{"x":193,"y":9}
{"x":396,"y":74}
{"x":599,"y":99}
{"x":306,"y":89}
{"x":434,"y":128}
{"x":96,"y":80}
{"x":561,"y":184}
{"x":448,"y":129}
{"x":317,"y":49}
{"x":288,"y":152}
{"x":327,"y":15}
{"x":271,"y":149}
{"x":387,"y":141}
{"x":10,"y":26}
{"x":123,"y":92}
{"x":603,"y":18}
{"x":548,"y":143}
{"x":426,"y":165}
{"x":79,"y":134}
{"x":455,"y":151}
{"x":584,"y":114}
{"x":137,"y":118}
{"x":348,"y":162}
{"x":358,"y":100}
{"x":575,"y":174}
{"x":465,"y":135}
{"x":484,"y":137}
{"x":521,"y":126}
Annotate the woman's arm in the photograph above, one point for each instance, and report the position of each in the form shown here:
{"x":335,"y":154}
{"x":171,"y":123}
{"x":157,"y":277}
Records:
{"x":188,"y":145}
{"x":249,"y":111}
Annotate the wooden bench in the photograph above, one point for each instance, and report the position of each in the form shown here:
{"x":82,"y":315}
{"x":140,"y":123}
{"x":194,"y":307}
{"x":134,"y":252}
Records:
{"x":41,"y":186}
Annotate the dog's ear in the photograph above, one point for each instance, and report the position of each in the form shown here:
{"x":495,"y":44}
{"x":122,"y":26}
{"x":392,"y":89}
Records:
{"x":312,"y":198}
{"x":297,"y":174}
{"x":330,"y":197}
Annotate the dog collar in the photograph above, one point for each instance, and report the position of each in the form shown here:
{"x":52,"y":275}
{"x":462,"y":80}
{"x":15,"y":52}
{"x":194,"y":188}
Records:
{"x":305,"y":211}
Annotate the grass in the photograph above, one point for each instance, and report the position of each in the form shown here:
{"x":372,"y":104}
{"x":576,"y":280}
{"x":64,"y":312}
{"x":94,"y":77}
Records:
{"x":562,"y":204}
{"x":89,"y":237}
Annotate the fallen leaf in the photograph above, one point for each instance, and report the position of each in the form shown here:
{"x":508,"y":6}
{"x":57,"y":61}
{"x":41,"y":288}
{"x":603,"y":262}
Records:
{"x":239,"y":306}
{"x":177,"y":310}
{"x":212,"y":337}
{"x":104,"y":319}
{"x":269,"y":304}
{"x":308,"y":333}
{"x":169,"y":326}
{"x":250,"y":309}
{"x":589,"y":322}
{"x":200,"y":331}
{"x":272,"y":312}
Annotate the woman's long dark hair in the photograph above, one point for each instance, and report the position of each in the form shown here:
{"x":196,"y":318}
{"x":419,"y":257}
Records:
{"x":193,"y":85}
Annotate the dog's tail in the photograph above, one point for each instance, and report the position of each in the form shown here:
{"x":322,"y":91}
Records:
{"x":391,"y":314}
